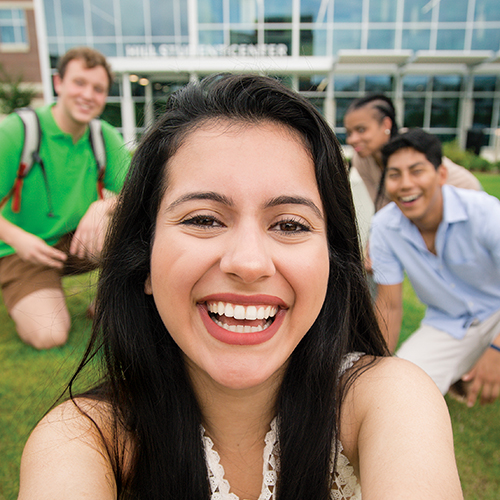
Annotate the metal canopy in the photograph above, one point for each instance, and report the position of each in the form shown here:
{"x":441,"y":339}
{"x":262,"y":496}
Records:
{"x":469,"y":58}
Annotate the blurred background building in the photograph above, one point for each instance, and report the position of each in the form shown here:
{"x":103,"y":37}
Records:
{"x":439,"y":60}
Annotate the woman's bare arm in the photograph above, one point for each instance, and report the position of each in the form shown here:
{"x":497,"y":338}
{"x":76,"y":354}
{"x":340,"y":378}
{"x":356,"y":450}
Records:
{"x":404,"y":439}
{"x":65,"y":458}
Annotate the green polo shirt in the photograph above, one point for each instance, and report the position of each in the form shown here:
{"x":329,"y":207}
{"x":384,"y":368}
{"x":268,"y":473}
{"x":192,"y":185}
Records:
{"x":71,"y":176}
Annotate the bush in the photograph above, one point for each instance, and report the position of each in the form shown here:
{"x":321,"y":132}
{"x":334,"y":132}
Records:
{"x":467,"y":159}
{"x":13,"y":94}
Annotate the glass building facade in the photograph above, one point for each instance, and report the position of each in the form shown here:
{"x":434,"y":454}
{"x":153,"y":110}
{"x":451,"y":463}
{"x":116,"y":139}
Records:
{"x":438,"y":59}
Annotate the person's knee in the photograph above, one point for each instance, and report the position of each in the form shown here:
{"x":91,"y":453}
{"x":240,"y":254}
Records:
{"x":48,"y":339}
{"x":45,"y":337}
{"x":42,"y":327}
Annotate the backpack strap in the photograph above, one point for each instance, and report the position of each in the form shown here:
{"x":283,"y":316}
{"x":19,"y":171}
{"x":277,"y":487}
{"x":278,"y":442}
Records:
{"x":96,"y":139}
{"x":29,"y":156}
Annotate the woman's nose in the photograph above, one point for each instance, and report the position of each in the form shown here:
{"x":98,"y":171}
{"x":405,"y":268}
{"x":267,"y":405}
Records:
{"x":248,"y":256}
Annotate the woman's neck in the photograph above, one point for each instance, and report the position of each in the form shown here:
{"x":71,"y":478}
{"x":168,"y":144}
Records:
{"x":378,"y":159}
{"x":236,"y":418}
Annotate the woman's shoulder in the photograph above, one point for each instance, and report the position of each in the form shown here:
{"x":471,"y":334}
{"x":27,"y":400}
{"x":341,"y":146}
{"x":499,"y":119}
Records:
{"x":381,"y":386}
{"x":66,"y":452}
{"x":388,"y":379}
{"x":390,"y":406}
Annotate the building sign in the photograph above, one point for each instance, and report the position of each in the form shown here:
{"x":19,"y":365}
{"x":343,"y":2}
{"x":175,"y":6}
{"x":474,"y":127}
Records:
{"x":233,"y":50}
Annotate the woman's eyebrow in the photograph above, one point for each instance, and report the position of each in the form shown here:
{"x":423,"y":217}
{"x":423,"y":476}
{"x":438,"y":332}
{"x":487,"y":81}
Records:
{"x":201,"y":195}
{"x":295,"y":200}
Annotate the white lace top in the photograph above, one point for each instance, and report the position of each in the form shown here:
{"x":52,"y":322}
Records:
{"x":345,"y":483}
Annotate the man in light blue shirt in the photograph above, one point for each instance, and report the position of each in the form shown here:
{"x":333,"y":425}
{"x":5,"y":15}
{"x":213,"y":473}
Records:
{"x":447,"y":240}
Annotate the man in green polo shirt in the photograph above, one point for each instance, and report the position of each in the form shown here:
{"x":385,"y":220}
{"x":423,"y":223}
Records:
{"x":60,"y":226}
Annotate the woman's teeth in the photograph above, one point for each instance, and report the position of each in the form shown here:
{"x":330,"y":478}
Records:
{"x":221,"y":310}
{"x":242,"y":312}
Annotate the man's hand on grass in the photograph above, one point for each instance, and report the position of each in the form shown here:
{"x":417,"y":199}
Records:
{"x":484,"y":378}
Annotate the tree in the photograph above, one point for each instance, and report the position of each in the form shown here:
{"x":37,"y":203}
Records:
{"x":13,"y":94}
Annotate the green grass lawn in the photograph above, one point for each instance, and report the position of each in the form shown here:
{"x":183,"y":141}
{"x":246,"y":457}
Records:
{"x":30,"y":381}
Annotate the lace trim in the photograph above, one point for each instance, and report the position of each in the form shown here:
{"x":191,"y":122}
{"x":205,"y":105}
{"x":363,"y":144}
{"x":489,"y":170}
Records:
{"x":345,"y":483}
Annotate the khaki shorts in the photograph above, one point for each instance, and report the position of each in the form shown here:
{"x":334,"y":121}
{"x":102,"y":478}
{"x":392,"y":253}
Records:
{"x":444,"y":358}
{"x":19,"y":278}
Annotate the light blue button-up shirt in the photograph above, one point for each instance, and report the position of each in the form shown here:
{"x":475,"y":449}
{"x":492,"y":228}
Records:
{"x":459,"y":285}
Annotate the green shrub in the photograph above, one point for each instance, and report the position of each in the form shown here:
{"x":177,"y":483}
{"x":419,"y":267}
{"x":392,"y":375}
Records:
{"x":13,"y":94}
{"x":467,"y":159}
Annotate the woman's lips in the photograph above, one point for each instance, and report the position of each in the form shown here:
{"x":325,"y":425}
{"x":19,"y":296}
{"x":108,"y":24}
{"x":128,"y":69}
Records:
{"x":241,"y":324}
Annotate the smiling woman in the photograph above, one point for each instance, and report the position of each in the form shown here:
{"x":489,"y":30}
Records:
{"x":240,"y":354}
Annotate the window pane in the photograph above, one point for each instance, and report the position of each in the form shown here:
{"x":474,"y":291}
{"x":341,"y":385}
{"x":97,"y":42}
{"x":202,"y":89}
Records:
{"x":241,"y":36}
{"x":211,"y":37}
{"x":341,"y":106}
{"x":453,"y":10}
{"x":445,"y":137}
{"x":12,"y":26}
{"x":313,"y":83}
{"x":242,"y":11}
{"x":346,"y":83}
{"x":108,"y":49}
{"x":450,"y":39}
{"x":7,"y":34}
{"x":383,"y":10}
{"x":444,"y":112}
{"x":313,"y":42}
{"x":415,"y":83}
{"x":378,"y":83}
{"x":485,"y":39}
{"x":112,"y":114}
{"x":279,"y":37}
{"x":103,"y":20}
{"x":163,"y":19}
{"x":50,"y":19}
{"x":278,"y":11}
{"x":417,"y":10}
{"x":483,"y":110}
{"x":416,"y":39}
{"x":132,"y":18}
{"x":414,"y":112}
{"x":381,"y":39}
{"x":73,"y":15}
{"x":312,"y":11}
{"x":347,"y":11}
{"x":210,"y":11}
{"x":487,"y":10}
{"x":485,"y":83}
{"x":346,"y":39}
{"x":447,"y":82}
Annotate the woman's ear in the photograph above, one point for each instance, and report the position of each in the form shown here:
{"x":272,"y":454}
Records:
{"x":148,"y":289}
{"x":387,"y":123}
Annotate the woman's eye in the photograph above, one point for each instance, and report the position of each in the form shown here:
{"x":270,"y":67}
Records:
{"x":291,"y":226}
{"x":202,"y":221}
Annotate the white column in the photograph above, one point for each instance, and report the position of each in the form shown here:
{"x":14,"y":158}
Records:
{"x":466,"y":111}
{"x":329,"y":104}
{"x":193,"y":26}
{"x":43,"y":51}
{"x":149,"y":109}
{"x":398,"y":99}
{"x":128,"y":112}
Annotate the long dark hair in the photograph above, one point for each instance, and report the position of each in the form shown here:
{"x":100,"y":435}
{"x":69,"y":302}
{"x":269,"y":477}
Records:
{"x":144,"y":380}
